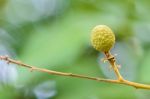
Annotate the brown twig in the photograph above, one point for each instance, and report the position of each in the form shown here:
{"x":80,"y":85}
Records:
{"x":114,"y":65}
{"x":9,"y":60}
{"x":112,"y":61}
{"x":110,"y":58}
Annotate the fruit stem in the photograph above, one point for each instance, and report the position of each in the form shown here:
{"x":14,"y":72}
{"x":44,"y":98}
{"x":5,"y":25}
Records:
{"x":112,"y":61}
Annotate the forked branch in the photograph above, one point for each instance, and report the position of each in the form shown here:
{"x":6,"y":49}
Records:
{"x":110,"y":58}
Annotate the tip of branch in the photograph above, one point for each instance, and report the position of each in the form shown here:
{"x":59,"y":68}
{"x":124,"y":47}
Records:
{"x":4,"y":57}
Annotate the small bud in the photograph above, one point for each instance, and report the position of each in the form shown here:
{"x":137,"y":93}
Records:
{"x":102,"y":38}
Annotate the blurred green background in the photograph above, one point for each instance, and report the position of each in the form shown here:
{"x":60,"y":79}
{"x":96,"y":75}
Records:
{"x":55,"y":34}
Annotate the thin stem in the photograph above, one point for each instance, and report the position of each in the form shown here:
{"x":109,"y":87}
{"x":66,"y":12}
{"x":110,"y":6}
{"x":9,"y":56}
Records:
{"x":74,"y":75}
{"x":112,"y":61}
{"x":9,"y":60}
{"x":136,"y":85}
{"x":118,"y":81}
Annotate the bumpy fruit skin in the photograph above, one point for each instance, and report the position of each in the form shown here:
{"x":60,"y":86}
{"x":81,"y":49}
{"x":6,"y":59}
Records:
{"x":102,"y":38}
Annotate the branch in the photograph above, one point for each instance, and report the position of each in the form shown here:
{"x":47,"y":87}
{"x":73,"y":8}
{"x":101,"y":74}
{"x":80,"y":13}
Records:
{"x":118,"y":81}
{"x":32,"y":68}
{"x":114,"y":65}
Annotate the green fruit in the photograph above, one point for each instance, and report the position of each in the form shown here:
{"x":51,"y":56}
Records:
{"x":102,"y":38}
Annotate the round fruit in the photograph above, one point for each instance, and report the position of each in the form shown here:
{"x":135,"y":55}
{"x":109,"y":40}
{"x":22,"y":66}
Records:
{"x":102,"y":38}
